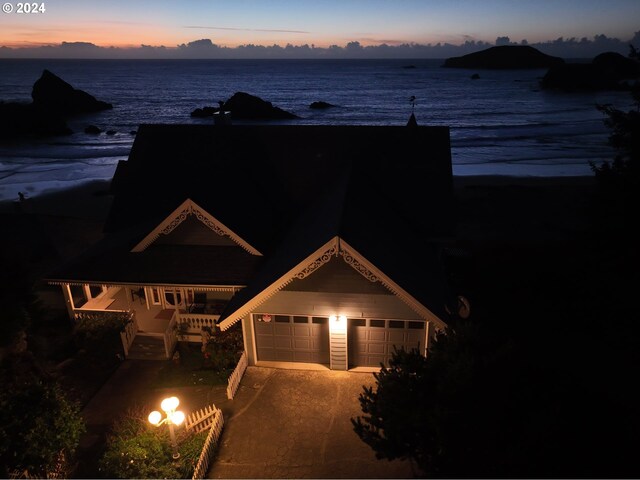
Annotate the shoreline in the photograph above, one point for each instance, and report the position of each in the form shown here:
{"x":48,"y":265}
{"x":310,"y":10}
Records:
{"x":91,"y":200}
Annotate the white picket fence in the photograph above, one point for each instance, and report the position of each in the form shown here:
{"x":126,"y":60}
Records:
{"x":236,"y":376}
{"x":209,"y":417}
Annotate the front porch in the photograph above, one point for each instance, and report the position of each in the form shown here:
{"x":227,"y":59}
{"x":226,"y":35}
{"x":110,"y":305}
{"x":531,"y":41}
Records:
{"x":158,"y":316}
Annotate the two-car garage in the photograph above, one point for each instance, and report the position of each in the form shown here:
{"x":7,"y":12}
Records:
{"x":291,"y":338}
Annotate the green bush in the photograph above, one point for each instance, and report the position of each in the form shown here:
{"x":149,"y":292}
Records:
{"x":136,"y":449}
{"x":37,"y":421}
{"x":100,"y":336}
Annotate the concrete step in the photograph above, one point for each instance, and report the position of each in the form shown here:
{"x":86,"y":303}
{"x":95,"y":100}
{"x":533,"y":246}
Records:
{"x":147,"y":348}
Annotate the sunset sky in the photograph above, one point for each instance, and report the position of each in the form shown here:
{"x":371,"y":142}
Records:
{"x":131,"y":23}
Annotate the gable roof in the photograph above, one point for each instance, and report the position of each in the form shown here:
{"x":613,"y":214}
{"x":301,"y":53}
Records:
{"x":180,"y":214}
{"x":366,"y":232}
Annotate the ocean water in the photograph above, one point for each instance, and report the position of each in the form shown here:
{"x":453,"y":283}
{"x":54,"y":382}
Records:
{"x":501,"y":124}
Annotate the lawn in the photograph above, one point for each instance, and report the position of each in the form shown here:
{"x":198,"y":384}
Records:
{"x":211,"y":367}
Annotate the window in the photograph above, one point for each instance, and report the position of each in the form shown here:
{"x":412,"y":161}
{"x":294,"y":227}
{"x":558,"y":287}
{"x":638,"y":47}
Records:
{"x":319,"y":320}
{"x":173,"y":297}
{"x":300,"y":319}
{"x":358,"y":322}
{"x":282,"y":318}
{"x":376,"y":323}
{"x":416,"y":325}
{"x":155,"y":296}
{"x":396,"y":324}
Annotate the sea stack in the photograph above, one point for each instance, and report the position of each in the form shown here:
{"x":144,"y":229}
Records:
{"x":56,"y":95}
{"x":506,"y":57}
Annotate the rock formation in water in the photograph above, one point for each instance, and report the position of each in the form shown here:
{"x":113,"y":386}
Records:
{"x":244,"y":106}
{"x":320,"y":105}
{"x":53,"y":101}
{"x":53,"y":93}
{"x":607,"y":71}
{"x":506,"y":57}
{"x":247,"y":107}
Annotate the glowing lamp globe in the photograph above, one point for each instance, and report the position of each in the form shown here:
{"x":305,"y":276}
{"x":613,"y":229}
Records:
{"x":177,"y":418}
{"x":170,"y":404}
{"x":155,"y":417}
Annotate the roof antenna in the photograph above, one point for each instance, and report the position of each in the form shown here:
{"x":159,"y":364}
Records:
{"x":412,"y":119}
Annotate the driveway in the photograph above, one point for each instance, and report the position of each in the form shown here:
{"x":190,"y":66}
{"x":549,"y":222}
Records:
{"x":296,"y":424}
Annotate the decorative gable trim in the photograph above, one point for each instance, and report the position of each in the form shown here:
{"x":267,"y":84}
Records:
{"x":372,"y":273}
{"x":180,"y":214}
{"x":300,"y":271}
{"x":334,"y":247}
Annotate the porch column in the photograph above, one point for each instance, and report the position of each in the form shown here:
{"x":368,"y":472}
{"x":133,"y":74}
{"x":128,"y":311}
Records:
{"x":87,"y":292}
{"x":427,"y":338}
{"x":68,"y":300}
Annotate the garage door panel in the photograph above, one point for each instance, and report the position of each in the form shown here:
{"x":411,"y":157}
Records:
{"x":396,"y":336}
{"x":264,"y":328}
{"x":302,"y":330}
{"x":373,"y":344}
{"x":283,"y":342}
{"x":282,"y":329}
{"x":377,"y":335}
{"x":302,"y":343}
{"x":415,"y":336}
{"x":284,"y":355}
{"x":267,"y":354}
{"x":377,"y":348}
{"x":292,"y":342}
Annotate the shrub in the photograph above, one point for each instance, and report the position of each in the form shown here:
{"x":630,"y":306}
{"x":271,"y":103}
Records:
{"x":136,"y":449}
{"x":37,"y":421}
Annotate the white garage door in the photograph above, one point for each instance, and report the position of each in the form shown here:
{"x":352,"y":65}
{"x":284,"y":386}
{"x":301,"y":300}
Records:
{"x":371,"y":341}
{"x":289,"y":338}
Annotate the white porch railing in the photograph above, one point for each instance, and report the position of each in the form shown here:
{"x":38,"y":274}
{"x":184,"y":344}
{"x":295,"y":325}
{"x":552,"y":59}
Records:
{"x":195,"y":321}
{"x":170,"y":335}
{"x":209,"y":417}
{"x":236,"y":376}
{"x":130,"y":331}
{"x":86,"y":314}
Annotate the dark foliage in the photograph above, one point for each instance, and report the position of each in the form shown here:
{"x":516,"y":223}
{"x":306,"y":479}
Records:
{"x":136,"y":449}
{"x":37,"y":422}
{"x":479,"y":407}
{"x":620,"y":178}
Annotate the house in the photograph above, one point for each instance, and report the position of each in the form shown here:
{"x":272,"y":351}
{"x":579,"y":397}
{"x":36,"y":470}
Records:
{"x":321,"y":242}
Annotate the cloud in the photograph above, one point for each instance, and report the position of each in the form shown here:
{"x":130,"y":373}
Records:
{"x":245,"y":29}
{"x":207,"y":48}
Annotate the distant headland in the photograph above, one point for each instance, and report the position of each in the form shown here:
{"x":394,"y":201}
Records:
{"x":505,"y":57}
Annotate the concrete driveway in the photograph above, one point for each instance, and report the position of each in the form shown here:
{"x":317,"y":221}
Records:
{"x":296,"y":424}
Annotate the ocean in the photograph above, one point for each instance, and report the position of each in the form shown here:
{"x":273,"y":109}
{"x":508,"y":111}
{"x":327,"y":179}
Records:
{"x":501,"y":123}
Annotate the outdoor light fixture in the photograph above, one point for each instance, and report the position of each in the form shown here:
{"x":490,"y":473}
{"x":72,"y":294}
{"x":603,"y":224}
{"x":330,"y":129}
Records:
{"x":174,"y":417}
{"x":338,"y":324}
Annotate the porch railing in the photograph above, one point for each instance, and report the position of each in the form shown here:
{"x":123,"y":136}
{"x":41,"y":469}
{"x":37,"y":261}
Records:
{"x":84,"y":314}
{"x":130,"y":331}
{"x":170,"y":335}
{"x":195,"y":321}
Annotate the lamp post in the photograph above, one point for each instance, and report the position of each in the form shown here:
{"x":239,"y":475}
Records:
{"x":174,"y":417}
